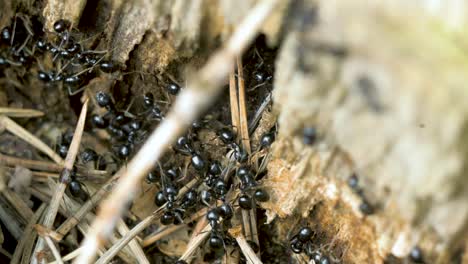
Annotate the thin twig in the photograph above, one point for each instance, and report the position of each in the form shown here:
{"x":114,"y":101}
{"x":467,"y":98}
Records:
{"x":253,"y":123}
{"x":20,"y":206}
{"x":234,"y":103}
{"x":68,"y":167}
{"x":27,"y":234}
{"x":121,"y":243}
{"x":231,"y":256}
{"x":242,"y":107}
{"x":69,"y":256}
{"x":54,"y":250}
{"x":46,"y":166}
{"x":10,"y":219}
{"x":118,"y":245}
{"x":133,"y":244}
{"x":247,"y":250}
{"x":67,"y":207}
{"x":20,"y":112}
{"x":72,"y":221}
{"x":156,"y":236}
{"x":65,"y":175}
{"x":244,"y":246}
{"x":28,"y":247}
{"x":249,"y":218}
{"x":201,"y":90}
{"x":22,"y":133}
{"x":38,"y":176}
{"x":196,"y":242}
{"x":5,"y":253}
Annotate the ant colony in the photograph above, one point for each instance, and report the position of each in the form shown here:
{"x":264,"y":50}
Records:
{"x":208,"y":175}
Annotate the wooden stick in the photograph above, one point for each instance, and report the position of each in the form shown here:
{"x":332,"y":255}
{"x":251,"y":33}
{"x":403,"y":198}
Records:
{"x":234,"y":103}
{"x":201,"y":90}
{"x":65,"y":176}
{"x":22,"y":133}
{"x":20,"y":112}
{"x":27,"y":234}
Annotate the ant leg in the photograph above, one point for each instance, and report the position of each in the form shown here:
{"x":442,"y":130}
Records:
{"x":76,"y":91}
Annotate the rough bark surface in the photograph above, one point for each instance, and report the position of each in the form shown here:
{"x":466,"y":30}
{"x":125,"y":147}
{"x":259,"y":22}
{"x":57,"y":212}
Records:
{"x":383,"y":84}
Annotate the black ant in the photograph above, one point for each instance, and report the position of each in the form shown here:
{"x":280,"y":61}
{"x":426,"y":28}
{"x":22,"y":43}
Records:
{"x":248,"y":182}
{"x":267,"y":139}
{"x":173,"y":88}
{"x":212,"y":174}
{"x":168,"y":195}
{"x":184,"y":146}
{"x":309,"y":135}
{"x":6,"y":34}
{"x":365,"y":206}
{"x":64,"y":144}
{"x":214,"y":216}
{"x":152,"y":111}
{"x":416,"y":255}
{"x":228,"y":137}
{"x":76,"y":187}
{"x":299,"y":241}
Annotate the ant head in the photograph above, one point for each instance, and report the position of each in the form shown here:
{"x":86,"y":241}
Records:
{"x":61,"y":25}
{"x":103,"y":99}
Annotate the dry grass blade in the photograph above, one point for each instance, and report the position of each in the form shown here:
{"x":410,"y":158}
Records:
{"x":201,"y":90}
{"x":19,"y":112}
{"x":11,"y":221}
{"x":244,"y":125}
{"x":27,"y":234}
{"x":72,"y":221}
{"x":5,"y":253}
{"x":121,"y":243}
{"x":234,"y":101}
{"x":67,"y":207}
{"x":249,"y":218}
{"x":247,"y":250}
{"x":133,"y":244}
{"x":45,"y":166}
{"x":69,"y":256}
{"x":151,"y":239}
{"x":258,"y":114}
{"x":54,"y":250}
{"x":20,"y":206}
{"x":196,"y":242}
{"x":118,"y":245}
{"x":65,"y":176}
{"x":22,"y":133}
